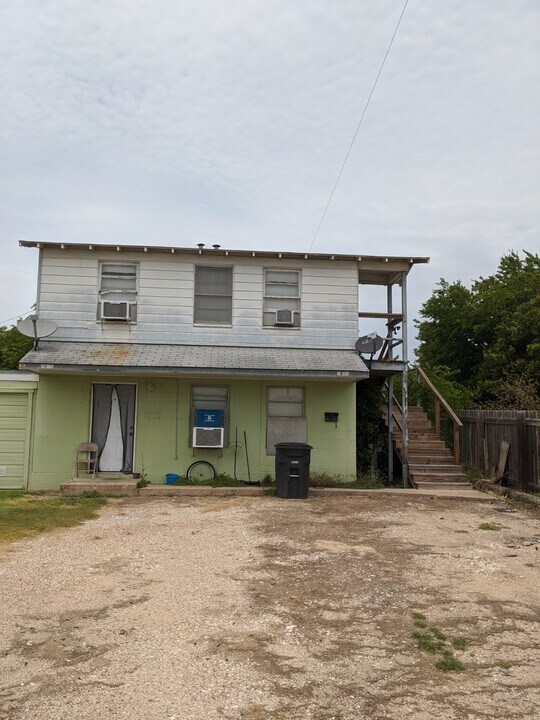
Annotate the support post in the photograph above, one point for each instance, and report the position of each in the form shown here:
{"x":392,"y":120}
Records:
{"x":522,"y":452}
{"x":457,"y":445}
{"x":405,"y":398}
{"x":479,"y":431}
{"x":390,"y":338}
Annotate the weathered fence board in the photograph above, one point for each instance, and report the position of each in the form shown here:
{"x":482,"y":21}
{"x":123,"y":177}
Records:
{"x":483,"y":433}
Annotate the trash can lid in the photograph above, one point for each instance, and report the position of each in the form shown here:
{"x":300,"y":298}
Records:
{"x":294,"y":445}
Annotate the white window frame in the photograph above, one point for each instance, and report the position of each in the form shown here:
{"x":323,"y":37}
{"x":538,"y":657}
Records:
{"x":208,"y":323}
{"x":296,"y":298}
{"x":118,"y":295}
{"x":270,"y":451}
{"x":226,"y":411}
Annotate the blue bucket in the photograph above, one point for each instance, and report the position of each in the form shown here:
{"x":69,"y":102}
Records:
{"x":171,"y":478}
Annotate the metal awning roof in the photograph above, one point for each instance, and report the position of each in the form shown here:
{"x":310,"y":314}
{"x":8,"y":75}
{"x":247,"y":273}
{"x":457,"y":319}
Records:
{"x":194,"y":360}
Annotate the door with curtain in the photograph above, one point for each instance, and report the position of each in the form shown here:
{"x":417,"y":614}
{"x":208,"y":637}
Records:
{"x":113,"y":425}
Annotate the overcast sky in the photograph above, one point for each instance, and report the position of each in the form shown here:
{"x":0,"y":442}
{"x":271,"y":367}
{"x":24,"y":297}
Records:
{"x":184,"y":121}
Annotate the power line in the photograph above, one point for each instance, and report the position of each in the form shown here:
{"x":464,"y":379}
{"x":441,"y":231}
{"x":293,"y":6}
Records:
{"x":359,"y":125}
{"x":15,"y":317}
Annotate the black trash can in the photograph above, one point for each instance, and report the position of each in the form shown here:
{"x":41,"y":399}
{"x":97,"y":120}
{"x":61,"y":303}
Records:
{"x":292,"y":469}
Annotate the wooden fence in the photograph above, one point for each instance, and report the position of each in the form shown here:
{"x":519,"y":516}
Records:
{"x":483,"y":434}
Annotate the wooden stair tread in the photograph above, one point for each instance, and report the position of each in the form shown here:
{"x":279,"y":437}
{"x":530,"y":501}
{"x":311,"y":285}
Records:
{"x":431,"y":462}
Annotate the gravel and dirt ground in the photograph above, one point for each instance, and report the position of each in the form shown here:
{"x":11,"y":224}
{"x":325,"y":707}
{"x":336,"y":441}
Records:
{"x":261,"y":609}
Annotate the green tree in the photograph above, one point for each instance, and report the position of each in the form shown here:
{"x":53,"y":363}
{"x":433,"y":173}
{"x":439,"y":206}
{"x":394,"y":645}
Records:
{"x":13,"y":346}
{"x":487,"y":336}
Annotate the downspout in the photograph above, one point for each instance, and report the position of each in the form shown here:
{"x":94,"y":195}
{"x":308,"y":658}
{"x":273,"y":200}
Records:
{"x":176,"y":420}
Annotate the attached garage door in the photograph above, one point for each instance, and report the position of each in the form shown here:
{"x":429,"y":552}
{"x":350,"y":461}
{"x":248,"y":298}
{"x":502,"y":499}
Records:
{"x":14,"y":436}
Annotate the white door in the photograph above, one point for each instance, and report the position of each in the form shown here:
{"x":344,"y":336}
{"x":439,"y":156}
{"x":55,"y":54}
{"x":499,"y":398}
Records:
{"x":112,"y":456}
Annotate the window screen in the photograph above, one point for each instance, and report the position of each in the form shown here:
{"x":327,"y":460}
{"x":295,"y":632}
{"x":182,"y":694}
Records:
{"x":210,"y":397}
{"x":213,"y":295}
{"x":285,"y":420}
{"x":118,"y":285}
{"x":281,"y":292}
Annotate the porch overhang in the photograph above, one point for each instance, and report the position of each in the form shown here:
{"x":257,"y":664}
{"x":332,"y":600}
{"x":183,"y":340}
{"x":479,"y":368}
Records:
{"x":59,"y":357}
{"x":385,"y":368}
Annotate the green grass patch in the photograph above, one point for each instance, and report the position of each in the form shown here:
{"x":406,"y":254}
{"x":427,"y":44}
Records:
{"x":490,"y":526}
{"x":221,"y":480}
{"x":449,"y":663}
{"x":419,"y":620}
{"x":426,"y":641}
{"x":25,"y":515}
{"x":437,"y":633}
{"x":434,"y":641}
{"x":504,"y":664}
{"x":9,"y":494}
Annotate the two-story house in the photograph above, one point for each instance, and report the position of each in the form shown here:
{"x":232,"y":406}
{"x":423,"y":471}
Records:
{"x":164,"y":355}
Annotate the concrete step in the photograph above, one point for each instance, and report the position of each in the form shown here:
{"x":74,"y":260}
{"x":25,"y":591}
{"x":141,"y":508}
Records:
{"x":198,"y":490}
{"x":116,"y":487}
{"x":420,"y":485}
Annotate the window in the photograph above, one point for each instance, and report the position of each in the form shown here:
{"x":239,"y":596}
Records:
{"x":281,"y":298}
{"x":208,"y":398}
{"x":118,"y":292}
{"x":213,"y":295}
{"x":286,"y":421}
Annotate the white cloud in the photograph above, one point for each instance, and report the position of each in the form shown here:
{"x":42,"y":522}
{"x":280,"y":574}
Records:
{"x":164,"y":122}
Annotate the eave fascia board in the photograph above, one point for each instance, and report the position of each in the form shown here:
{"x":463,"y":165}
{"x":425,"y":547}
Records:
{"x":363,"y":261}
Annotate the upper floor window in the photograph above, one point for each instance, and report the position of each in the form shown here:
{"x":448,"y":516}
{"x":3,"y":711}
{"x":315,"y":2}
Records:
{"x":118,"y":292}
{"x":213,"y":295}
{"x":281,"y":298}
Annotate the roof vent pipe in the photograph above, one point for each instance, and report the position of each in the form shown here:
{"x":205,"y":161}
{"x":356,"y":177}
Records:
{"x":216,"y":247}
{"x":200,"y":245}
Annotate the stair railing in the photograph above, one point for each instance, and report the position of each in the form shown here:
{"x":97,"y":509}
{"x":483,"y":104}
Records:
{"x":441,"y":404}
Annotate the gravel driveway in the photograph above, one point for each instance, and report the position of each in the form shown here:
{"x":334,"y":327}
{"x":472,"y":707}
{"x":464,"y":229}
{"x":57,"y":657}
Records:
{"x":257,"y":608}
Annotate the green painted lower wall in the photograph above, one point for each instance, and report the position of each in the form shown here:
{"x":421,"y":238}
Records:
{"x":62,"y":421}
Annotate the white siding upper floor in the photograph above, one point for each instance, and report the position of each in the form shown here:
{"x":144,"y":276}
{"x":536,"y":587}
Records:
{"x":69,"y":294}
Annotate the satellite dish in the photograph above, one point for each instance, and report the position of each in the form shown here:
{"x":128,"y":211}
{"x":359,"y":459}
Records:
{"x":36,"y":328}
{"x":369,"y":344}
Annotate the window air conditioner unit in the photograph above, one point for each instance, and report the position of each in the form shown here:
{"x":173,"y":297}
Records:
{"x":284,"y":317}
{"x":116,"y":310}
{"x":206,"y":437}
